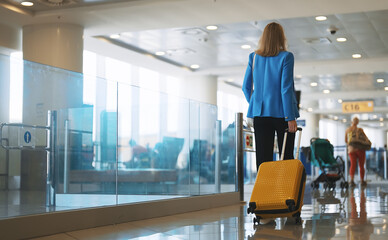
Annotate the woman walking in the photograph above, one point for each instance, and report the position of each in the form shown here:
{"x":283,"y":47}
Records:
{"x":269,"y":89}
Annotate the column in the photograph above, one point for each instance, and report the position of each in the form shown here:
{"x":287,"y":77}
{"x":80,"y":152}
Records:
{"x":54,"y":44}
{"x":52,"y":79}
{"x":10,"y":39}
{"x":311,"y":129}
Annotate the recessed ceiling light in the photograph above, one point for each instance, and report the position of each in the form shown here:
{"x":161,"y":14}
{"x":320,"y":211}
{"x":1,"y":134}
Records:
{"x":326,"y":91}
{"x":27,"y":4}
{"x":381,"y":119}
{"x":344,"y":120}
{"x":245,"y":46}
{"x":298,"y":76}
{"x":313,"y":84}
{"x":381,"y":124}
{"x":386,"y":88}
{"x":114,"y":36}
{"x":356,"y":55}
{"x":160,"y":53}
{"x":340,"y":100}
{"x":229,"y":80}
{"x":374,"y":116}
{"x":320,"y":18}
{"x":211,"y":27}
{"x":194,"y":66}
{"x":341,"y":39}
{"x":380,"y":80}
{"x":309,"y":109}
{"x":335,"y":118}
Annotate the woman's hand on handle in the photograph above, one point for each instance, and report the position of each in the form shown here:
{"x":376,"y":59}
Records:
{"x":292,"y":126}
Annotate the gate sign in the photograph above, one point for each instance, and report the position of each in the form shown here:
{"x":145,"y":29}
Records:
{"x":356,"y":107}
{"x":26,"y":137}
{"x":248,"y":140}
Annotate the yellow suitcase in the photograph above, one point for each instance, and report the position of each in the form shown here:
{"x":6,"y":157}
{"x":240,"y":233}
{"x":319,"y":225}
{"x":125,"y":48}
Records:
{"x":279,"y":188}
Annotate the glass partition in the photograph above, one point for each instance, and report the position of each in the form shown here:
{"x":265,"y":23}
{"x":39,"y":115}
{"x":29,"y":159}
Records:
{"x":153,"y":150}
{"x":228,"y":150}
{"x":111,"y":143}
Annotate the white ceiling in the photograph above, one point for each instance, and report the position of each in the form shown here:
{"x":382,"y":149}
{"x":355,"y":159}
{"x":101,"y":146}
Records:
{"x":366,"y":33}
{"x":158,"y":24}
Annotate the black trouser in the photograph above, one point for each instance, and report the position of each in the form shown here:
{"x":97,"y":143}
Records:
{"x":265,"y":128}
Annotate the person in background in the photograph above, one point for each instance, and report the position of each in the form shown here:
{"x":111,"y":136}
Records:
{"x":139,"y":155}
{"x":269,"y":89}
{"x":354,"y":154}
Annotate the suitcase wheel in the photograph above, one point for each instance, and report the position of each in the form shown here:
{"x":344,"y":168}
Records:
{"x":251,"y":207}
{"x":249,"y":210}
{"x":256,"y":220}
{"x":291,"y":205}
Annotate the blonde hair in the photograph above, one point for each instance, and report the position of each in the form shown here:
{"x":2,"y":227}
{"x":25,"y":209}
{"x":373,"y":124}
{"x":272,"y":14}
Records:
{"x":272,"y":40}
{"x":355,"y":121}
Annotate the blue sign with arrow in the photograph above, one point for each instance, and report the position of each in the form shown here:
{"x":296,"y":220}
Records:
{"x":27,"y":137}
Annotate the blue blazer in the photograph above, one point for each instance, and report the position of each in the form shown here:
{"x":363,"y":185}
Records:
{"x":273,"y":94}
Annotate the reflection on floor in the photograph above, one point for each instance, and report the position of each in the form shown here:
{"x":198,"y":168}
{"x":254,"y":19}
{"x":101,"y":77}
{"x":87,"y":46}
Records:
{"x":15,"y":203}
{"x":359,"y":213}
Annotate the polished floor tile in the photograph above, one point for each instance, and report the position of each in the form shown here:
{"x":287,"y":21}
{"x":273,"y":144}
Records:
{"x":14,"y":203}
{"x":358,"y":213}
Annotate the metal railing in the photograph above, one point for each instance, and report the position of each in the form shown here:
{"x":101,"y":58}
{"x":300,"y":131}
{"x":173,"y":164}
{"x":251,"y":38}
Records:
{"x":217,"y":168}
{"x":342,"y":151}
{"x":20,"y":125}
{"x":6,"y":174}
{"x":51,"y":130}
{"x":240,"y":155}
{"x":240,"y":149}
{"x":385,"y":164}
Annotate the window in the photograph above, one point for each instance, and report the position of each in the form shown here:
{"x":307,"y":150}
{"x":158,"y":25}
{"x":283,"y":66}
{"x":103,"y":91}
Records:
{"x":172,"y":104}
{"x":16,"y":88}
{"x":149,"y":99}
{"x":90,"y":73}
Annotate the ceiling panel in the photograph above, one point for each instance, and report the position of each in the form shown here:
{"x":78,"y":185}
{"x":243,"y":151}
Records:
{"x":228,"y":38}
{"x":378,"y":53}
{"x":380,"y":24}
{"x":359,"y":28}
{"x":384,"y":37}
{"x":352,"y":17}
{"x":377,"y":16}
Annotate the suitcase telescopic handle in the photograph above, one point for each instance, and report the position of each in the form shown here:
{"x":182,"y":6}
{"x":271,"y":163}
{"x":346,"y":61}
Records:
{"x":285,"y":139}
